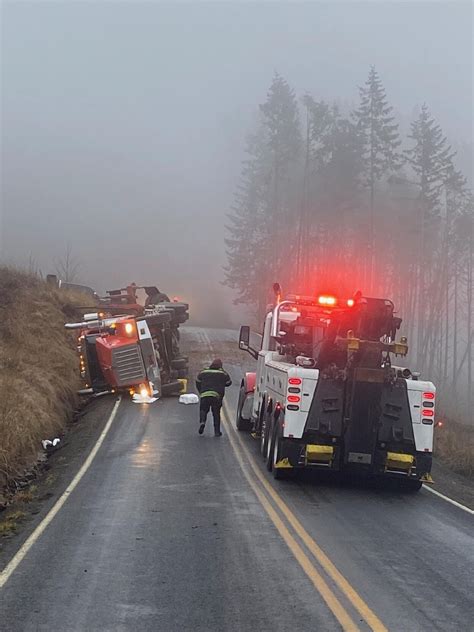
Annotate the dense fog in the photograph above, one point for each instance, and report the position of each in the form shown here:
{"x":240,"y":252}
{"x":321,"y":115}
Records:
{"x":124,"y":124}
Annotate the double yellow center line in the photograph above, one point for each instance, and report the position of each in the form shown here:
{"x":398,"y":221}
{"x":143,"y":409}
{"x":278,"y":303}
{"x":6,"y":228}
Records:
{"x":288,"y":527}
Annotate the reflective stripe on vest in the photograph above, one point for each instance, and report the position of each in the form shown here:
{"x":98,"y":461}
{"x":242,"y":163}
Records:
{"x":210,"y":394}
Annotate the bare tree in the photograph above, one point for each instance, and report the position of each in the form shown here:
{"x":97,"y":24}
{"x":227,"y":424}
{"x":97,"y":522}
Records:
{"x":67,"y":266}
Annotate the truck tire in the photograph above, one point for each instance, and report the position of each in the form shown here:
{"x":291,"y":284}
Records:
{"x":410,"y":486}
{"x":180,"y":318}
{"x":261,"y":427}
{"x":278,"y":473}
{"x":158,"y":319}
{"x":179,"y":363}
{"x":170,"y":389}
{"x":242,"y":424}
{"x":270,"y":444}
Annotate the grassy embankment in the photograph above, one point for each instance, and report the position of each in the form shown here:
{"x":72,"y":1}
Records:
{"x":38,"y":369}
{"x":454,"y":445}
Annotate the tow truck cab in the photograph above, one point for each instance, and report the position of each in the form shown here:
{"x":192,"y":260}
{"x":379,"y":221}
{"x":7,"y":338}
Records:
{"x":325,"y":393}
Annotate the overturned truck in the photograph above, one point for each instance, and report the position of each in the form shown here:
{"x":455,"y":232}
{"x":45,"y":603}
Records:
{"x":127,"y":347}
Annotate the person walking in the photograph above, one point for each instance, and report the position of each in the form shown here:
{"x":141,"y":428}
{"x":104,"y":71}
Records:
{"x":211,"y":384}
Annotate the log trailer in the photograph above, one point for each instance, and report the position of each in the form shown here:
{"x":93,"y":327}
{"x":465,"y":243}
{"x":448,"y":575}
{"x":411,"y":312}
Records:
{"x":127,"y":347}
{"x":326,"y":395}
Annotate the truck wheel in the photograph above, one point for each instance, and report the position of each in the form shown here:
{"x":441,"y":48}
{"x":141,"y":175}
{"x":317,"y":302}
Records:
{"x":260,"y":428}
{"x":241,"y":423}
{"x":170,"y":389}
{"x":278,"y":473}
{"x":410,"y":486}
{"x":179,"y":363}
{"x":158,"y":319}
{"x":270,"y":445}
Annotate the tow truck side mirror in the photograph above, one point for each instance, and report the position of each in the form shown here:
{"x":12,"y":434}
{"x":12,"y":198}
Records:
{"x":244,"y":341}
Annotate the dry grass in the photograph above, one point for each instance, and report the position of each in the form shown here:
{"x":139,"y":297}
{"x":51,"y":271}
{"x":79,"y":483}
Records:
{"x":9,"y":524}
{"x":454,"y":445}
{"x":38,"y":368}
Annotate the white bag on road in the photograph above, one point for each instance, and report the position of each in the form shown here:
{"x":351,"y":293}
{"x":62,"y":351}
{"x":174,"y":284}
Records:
{"x":189,"y":398}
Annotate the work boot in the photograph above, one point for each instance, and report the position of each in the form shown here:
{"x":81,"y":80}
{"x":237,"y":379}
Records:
{"x":217,"y":431}
{"x":201,"y":427}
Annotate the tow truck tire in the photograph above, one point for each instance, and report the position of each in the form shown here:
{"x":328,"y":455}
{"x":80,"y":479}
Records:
{"x":241,"y":423}
{"x":278,"y":473}
{"x":260,"y":428}
{"x":410,"y":486}
{"x":270,"y":445}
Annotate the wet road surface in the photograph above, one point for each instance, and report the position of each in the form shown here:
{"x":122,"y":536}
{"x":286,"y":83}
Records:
{"x":166,"y":532}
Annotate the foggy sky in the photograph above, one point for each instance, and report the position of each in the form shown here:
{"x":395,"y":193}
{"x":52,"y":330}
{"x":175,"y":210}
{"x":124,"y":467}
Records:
{"x":123,"y":124}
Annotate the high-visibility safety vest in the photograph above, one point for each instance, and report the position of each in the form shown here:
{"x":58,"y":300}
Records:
{"x":212,"y":382}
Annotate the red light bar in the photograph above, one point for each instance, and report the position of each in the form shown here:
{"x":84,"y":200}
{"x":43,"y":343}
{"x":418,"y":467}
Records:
{"x":428,"y":395}
{"x":294,"y":380}
{"x":428,"y":413}
{"x":328,"y":301}
{"x":294,"y":398}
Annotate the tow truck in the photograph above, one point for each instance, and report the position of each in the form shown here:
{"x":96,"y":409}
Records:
{"x":325,"y":394}
{"x":131,"y":348}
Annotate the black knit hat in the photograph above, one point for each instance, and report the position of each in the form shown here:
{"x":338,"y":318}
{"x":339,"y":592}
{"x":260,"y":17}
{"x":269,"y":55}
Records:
{"x":216,"y":364}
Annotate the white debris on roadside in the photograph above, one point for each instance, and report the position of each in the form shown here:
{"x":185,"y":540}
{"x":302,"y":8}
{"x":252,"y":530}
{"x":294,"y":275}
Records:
{"x":189,"y":398}
{"x":48,"y":445}
{"x":143,"y":399}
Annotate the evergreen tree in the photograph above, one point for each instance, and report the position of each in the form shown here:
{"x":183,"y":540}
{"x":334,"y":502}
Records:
{"x":431,"y":161}
{"x":380,"y":140}
{"x":280,"y":120}
{"x":247,"y":224}
{"x":334,"y":157}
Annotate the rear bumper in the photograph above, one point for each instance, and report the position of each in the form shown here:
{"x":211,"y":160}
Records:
{"x":382,"y":463}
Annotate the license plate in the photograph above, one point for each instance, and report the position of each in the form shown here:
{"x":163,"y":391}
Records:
{"x":360,"y":457}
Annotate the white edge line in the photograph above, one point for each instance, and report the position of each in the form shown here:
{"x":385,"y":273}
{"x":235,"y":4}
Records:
{"x":449,"y":500}
{"x":26,"y":546}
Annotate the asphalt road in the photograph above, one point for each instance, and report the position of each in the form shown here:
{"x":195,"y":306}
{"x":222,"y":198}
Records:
{"x":169,"y":530}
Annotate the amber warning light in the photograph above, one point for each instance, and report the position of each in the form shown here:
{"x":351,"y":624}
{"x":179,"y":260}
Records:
{"x":328,"y":301}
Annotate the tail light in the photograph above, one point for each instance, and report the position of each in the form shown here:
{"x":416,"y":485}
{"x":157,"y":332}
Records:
{"x":293,"y":398}
{"x":294,"y":381}
{"x":428,"y":395}
{"x":427,"y":413}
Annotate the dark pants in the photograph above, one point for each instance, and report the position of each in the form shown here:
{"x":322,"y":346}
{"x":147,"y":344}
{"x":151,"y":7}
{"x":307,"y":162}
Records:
{"x":214,"y":404}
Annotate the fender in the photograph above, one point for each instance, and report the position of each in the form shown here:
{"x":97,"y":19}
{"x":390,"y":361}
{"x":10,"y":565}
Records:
{"x":249,"y":382}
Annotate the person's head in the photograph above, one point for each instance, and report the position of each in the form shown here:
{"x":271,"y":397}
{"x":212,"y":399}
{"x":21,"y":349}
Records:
{"x":216,"y":364}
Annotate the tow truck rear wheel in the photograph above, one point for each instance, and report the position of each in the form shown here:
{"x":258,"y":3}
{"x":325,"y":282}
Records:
{"x":261,"y":427}
{"x":278,"y":473}
{"x":270,"y":443}
{"x":241,"y":423}
{"x":411,"y":485}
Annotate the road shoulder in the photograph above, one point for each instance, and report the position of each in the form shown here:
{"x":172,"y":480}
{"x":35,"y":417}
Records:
{"x":32,"y":503}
